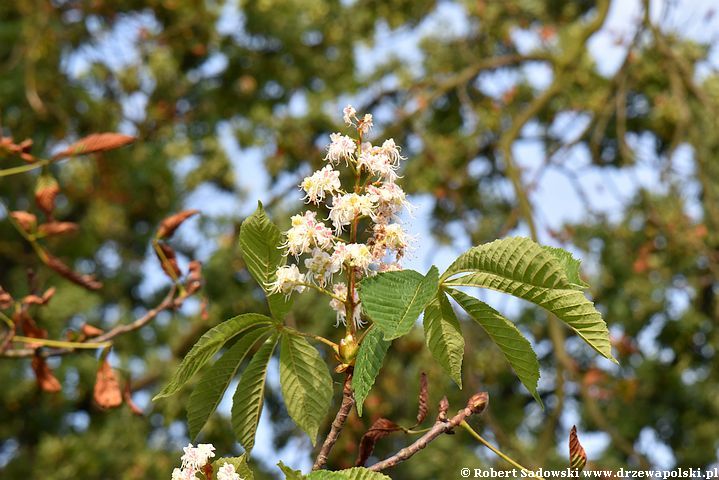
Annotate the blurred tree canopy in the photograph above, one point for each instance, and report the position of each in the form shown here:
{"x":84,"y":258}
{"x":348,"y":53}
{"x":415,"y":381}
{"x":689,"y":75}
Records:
{"x":490,"y":99}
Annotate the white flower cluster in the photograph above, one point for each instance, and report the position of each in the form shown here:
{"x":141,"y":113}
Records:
{"x":195,"y":459}
{"x":366,"y":214}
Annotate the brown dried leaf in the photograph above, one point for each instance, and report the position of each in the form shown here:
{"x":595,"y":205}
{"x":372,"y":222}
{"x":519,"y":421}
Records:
{"x":37,"y":299}
{"x":87,"y":281}
{"x":577,"y":455}
{"x":90,"y":331}
{"x":28,"y":325}
{"x":169,"y":263}
{"x":46,"y":190}
{"x":423,"y":398}
{"x":26,"y":220}
{"x":97,"y":142}
{"x":379,"y":429}
{"x":107,"y":392}
{"x":171,"y":223}
{"x":194,"y":277}
{"x":57,"y":228}
{"x":33,"y":300}
{"x":49,"y":293}
{"x":45,"y":379}
{"x":127,"y":396}
{"x":6,"y":300}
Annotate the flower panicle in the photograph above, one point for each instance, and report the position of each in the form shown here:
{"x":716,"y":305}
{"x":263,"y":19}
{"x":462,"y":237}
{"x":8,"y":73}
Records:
{"x":362,"y":236}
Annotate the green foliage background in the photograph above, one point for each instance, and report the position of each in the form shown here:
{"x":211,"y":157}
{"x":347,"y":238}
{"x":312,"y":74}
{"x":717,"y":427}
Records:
{"x":73,"y":68}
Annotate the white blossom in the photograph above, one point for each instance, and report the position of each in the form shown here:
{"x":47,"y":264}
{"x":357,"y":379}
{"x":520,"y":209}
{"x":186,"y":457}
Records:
{"x":194,"y":459}
{"x":390,"y":199}
{"x":321,"y":266}
{"x":365,"y":124}
{"x":306,"y":233}
{"x":346,"y":207}
{"x":341,"y":148}
{"x":340,"y":290}
{"x":289,"y":279}
{"x":355,"y":255}
{"x":323,"y":181}
{"x":349,"y":113}
{"x":392,"y":151}
{"x":390,"y":267}
{"x":227,"y":472}
{"x":395,"y":237}
{"x":181,"y":474}
{"x":388,"y":236}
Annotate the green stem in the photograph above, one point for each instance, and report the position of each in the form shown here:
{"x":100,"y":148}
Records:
{"x":312,"y":336}
{"x":61,"y":343}
{"x":7,"y":320}
{"x":23,"y":168}
{"x":484,"y":442}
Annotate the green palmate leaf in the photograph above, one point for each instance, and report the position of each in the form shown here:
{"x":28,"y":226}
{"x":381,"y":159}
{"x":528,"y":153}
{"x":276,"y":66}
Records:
{"x":516,"y":349}
{"x":569,"y":305}
{"x":571,"y":266}
{"x":306,"y":384}
{"x":214,"y":381}
{"x":517,"y":259}
{"x":290,"y":474}
{"x":368,"y":364}
{"x":443,"y":335}
{"x":394,"y":300}
{"x":208,"y":345}
{"x":357,"y":473}
{"x":240,"y":464}
{"x":249,"y":396}
{"x":260,"y":240}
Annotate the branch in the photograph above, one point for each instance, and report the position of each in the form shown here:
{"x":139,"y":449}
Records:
{"x":475,"y":406}
{"x":169,"y":302}
{"x":339,"y":422}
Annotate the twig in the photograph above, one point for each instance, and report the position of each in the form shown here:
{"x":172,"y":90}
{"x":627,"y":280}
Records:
{"x":475,"y":406}
{"x":339,"y":422}
{"x":168,"y":302}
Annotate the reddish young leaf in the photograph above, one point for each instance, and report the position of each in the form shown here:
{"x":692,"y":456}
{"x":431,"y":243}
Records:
{"x":89,"y":331}
{"x":87,"y":281}
{"x":171,"y":223}
{"x":28,"y":325}
{"x":379,"y":429}
{"x":194,"y":277}
{"x":46,"y":190}
{"x":57,"y":228}
{"x":107,"y":392}
{"x":169,"y":262}
{"x":98,"y":142}
{"x":127,"y":396}
{"x":39,"y":300}
{"x":423,"y":398}
{"x":26,"y":220}
{"x":6,"y":300}
{"x":577,"y":455}
{"x":45,"y":379}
